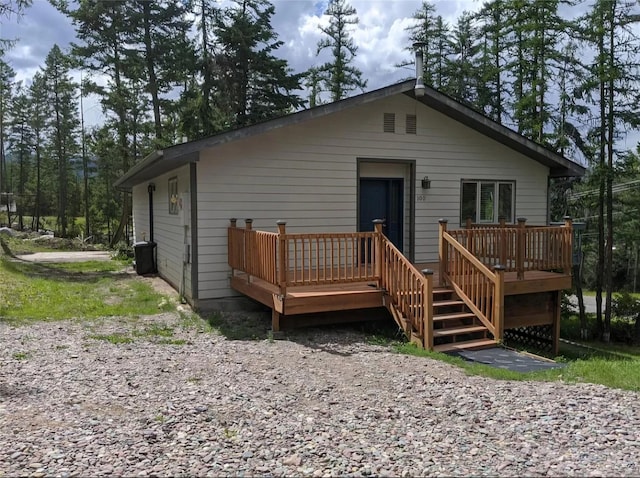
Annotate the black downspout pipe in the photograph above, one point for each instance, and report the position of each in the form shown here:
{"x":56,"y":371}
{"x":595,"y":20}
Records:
{"x":150,"y":189}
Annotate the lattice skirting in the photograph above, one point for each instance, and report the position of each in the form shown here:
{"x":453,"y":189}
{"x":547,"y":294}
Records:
{"x":539,"y":337}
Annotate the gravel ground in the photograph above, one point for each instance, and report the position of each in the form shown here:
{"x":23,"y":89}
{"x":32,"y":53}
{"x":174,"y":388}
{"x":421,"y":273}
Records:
{"x":72,"y":405}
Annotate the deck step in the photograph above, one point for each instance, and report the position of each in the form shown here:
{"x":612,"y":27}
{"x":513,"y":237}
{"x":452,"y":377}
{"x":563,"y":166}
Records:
{"x":442,"y":291}
{"x":447,"y":303}
{"x":466,"y":345}
{"x":467,"y":329}
{"x":454,"y":316}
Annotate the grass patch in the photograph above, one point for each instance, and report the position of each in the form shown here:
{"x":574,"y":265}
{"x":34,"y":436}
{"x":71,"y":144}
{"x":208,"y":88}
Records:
{"x":604,"y":367}
{"x":19,"y":246}
{"x":30,"y":291}
{"x":171,"y":342}
{"x":612,"y":365}
{"x":156,"y":330}
{"x":20,"y":356}
{"x":115,"y":339}
{"x":157,"y":333}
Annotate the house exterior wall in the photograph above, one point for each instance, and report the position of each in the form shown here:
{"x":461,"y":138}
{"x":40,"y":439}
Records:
{"x":306,"y":174}
{"x":170,"y":234}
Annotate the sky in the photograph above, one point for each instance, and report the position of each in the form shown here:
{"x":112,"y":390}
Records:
{"x":381,"y":37}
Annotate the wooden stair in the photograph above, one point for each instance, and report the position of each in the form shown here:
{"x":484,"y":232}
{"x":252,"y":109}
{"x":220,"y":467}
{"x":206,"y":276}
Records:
{"x":455,"y":327}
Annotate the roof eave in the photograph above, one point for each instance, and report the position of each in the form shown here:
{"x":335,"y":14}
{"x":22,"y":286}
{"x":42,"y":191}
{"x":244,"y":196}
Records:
{"x":125,"y":183}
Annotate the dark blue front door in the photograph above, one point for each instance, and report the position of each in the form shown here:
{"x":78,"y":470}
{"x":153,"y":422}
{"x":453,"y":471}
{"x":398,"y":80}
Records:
{"x":382,"y":199}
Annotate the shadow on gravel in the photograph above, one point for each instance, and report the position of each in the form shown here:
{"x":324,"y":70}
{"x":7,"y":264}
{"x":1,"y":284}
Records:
{"x":331,"y":338}
{"x":8,"y":391}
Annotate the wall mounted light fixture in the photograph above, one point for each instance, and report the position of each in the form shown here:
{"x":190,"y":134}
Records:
{"x":426,"y":183}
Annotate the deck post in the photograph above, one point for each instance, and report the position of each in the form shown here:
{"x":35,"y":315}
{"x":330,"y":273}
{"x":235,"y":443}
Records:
{"x":468,"y":223}
{"x":567,"y":259}
{"x":557,"y":299}
{"x":377,"y":228}
{"x":442,"y":249}
{"x":503,"y":240}
{"x":520,"y":246}
{"x":231,"y":247}
{"x":498,"y":302}
{"x":248,"y":266}
{"x":427,"y":304}
{"x":282,"y":257}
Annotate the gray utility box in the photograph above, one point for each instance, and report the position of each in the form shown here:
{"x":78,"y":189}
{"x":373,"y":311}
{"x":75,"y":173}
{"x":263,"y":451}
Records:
{"x":145,"y":256}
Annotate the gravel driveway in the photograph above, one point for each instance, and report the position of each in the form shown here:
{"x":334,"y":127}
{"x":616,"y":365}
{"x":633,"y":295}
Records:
{"x":75,"y":405}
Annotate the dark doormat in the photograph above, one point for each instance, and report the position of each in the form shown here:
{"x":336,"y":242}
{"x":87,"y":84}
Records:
{"x":507,"y":359}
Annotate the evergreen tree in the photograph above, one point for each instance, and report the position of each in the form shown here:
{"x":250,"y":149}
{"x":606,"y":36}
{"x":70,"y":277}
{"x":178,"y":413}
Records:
{"x":432,"y":32}
{"x":198,"y":115}
{"x":38,"y":115}
{"x":492,"y":33}
{"x":338,"y":75}
{"x":613,"y":87}
{"x":20,"y":145}
{"x":252,"y":85}
{"x":8,"y":10}
{"x":103,"y":29}
{"x":63,"y":125}
{"x":462,"y":72}
{"x":7,"y":76}
{"x":159,"y":33}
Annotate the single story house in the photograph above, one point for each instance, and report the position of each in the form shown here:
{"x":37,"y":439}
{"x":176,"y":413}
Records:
{"x":408,"y":156}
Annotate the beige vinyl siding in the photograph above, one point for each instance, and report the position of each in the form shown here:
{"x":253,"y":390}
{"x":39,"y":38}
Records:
{"x":169,"y":233}
{"x":306,"y":174}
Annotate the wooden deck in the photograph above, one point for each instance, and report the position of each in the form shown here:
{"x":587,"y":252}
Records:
{"x":463,"y":300}
{"x":366,"y":294}
{"x":532,"y":282}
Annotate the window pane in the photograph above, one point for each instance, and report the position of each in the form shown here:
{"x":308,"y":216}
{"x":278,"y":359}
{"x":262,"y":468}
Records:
{"x":468,"y":206}
{"x":505,"y":201}
{"x":487,"y":202}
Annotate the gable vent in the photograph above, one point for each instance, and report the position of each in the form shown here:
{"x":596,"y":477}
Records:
{"x":411,"y":126}
{"x":389,"y":122}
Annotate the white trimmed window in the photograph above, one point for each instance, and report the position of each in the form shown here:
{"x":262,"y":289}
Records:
{"x":485,"y":201}
{"x":173,"y":195}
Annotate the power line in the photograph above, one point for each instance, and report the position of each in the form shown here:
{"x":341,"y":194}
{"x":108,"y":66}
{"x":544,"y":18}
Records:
{"x":616,"y":189}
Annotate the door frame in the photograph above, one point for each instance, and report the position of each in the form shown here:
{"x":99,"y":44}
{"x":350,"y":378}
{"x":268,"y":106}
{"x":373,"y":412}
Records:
{"x":409,"y":252}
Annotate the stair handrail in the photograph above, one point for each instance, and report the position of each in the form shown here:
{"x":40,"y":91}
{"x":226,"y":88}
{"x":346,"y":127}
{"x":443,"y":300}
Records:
{"x":409,"y":290}
{"x":481,"y":289}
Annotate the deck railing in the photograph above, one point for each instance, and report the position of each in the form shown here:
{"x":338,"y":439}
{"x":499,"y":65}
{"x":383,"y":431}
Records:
{"x":253,"y":252}
{"x":293,"y":260}
{"x":328,"y":258}
{"x":480,"y":288}
{"x":519,"y":248}
{"x":410,"y":290}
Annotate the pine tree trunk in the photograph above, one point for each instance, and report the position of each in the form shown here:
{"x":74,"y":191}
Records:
{"x":600,"y":269}
{"x":609,"y":194}
{"x":153,"y":80}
